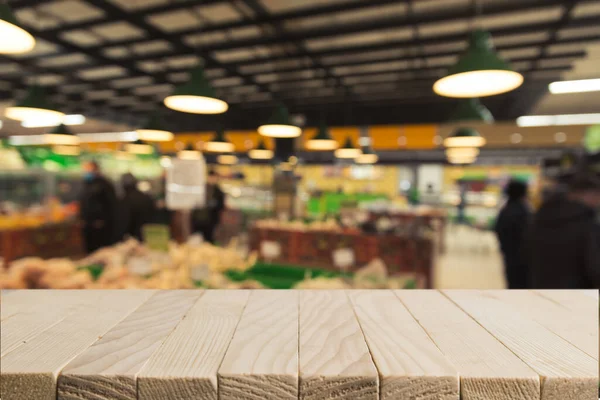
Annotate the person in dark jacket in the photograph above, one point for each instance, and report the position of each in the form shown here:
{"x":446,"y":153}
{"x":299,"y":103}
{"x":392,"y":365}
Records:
{"x":138,"y":207}
{"x":98,"y":209}
{"x":511,"y":226}
{"x":205,"y":220}
{"x":565,"y":238}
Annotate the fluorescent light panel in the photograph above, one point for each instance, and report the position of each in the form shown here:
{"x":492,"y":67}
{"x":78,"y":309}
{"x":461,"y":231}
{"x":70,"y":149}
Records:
{"x":566,"y":119}
{"x":72,"y":119}
{"x":102,"y":137}
{"x":577,"y":86}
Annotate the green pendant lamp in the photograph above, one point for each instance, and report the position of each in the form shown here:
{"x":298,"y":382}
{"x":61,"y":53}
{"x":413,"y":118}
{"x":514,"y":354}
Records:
{"x":479,"y":72}
{"x":61,"y":135}
{"x":13,"y":38}
{"x":219,"y":143}
{"x":368,"y":156}
{"x":464,"y":137}
{"x":322,"y":141}
{"x":139,"y":147}
{"x":154,"y":131}
{"x":36,"y":107}
{"x":261,"y":152}
{"x":279,"y":125}
{"x":471,"y":110}
{"x":196,"y":96}
{"x":189,"y":153}
{"x":348,"y":151}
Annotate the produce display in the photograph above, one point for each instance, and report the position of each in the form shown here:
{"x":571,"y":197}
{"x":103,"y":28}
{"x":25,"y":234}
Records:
{"x":131,"y":265}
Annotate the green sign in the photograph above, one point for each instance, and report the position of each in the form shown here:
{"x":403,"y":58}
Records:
{"x":592,"y":139}
{"x":156,"y":237}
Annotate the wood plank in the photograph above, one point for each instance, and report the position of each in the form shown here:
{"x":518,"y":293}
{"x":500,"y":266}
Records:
{"x":109,"y":368}
{"x":30,"y":300}
{"x":50,"y":308}
{"x":409,"y":363}
{"x":262,"y":360}
{"x":576,"y":301}
{"x":576,"y":328}
{"x":30,"y":371}
{"x":488,"y":370}
{"x":185,"y":367}
{"x":567,"y":372}
{"x":335,"y":362}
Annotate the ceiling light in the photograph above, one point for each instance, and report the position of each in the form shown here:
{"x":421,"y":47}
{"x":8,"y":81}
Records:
{"x":462,"y":152}
{"x":402,"y":141}
{"x":368,"y":156}
{"x":108,"y":137}
{"x":462,"y":160}
{"x":139,"y":147}
{"x":471,"y":110}
{"x":189,"y":153}
{"x":260,"y":152}
{"x":13,"y":38}
{"x":154,"y":131}
{"x":196,"y":96}
{"x":72,"y":119}
{"x":279,"y":125}
{"x":166,"y":162}
{"x":578,"y":86}
{"x":348,"y":151}
{"x":464,"y":137}
{"x":560,"y":137}
{"x":565,"y":119}
{"x":322,"y":141}
{"x":62,"y":135}
{"x":516,"y":138}
{"x":35,"y":107}
{"x":66,"y":150}
{"x":479,"y":72}
{"x":227,"y":159}
{"x":219,"y":143}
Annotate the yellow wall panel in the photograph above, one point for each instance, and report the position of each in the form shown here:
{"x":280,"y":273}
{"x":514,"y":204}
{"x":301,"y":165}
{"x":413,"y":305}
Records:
{"x":385,"y":137}
{"x":420,"y":136}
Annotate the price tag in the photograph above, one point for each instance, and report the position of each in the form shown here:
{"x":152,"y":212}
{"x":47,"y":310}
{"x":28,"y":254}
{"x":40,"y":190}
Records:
{"x":343,"y":258}
{"x":199,"y":272}
{"x":270,"y":249}
{"x":139,"y":266}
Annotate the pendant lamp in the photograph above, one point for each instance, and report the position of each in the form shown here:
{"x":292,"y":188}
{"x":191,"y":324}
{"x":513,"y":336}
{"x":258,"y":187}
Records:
{"x":368,"y":156}
{"x":139,"y":147}
{"x":279,"y":125}
{"x":461,"y":160}
{"x":196,"y":96}
{"x":479,"y":72}
{"x":61,"y":135}
{"x":348,"y":151}
{"x":13,"y":38}
{"x":322,"y":141}
{"x":260,"y":152}
{"x":464,"y":137}
{"x":219,"y":143}
{"x":462,"y":152}
{"x":35,"y":107}
{"x":189,"y":153}
{"x":227,"y":159}
{"x":154,"y":131}
{"x":471,"y":110}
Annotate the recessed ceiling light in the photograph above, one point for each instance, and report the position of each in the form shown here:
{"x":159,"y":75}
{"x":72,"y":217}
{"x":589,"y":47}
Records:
{"x":560,"y":137}
{"x":563,"y":119}
{"x":516,"y":138}
{"x":575,"y":86}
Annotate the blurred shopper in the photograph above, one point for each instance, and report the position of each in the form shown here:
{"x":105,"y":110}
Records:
{"x":565,"y":236}
{"x":461,"y":208}
{"x":98,"y":204}
{"x":205,"y":220}
{"x":137,"y":207}
{"x":511,"y":227}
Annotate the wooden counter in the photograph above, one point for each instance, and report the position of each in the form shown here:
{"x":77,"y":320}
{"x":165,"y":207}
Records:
{"x":194,"y":344}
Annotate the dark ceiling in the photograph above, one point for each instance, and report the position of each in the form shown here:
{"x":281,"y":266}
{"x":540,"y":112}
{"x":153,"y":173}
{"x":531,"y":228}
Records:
{"x":345,"y":61}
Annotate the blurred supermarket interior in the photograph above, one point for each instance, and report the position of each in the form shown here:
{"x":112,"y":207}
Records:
{"x":299,"y":143}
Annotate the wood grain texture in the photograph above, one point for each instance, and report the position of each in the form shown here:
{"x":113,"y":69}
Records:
{"x":185,"y":367}
{"x":262,"y":359}
{"x":30,"y":371}
{"x":488,"y":370}
{"x":335,"y":362}
{"x":577,"y":301}
{"x":27,"y":301}
{"x":49,"y":309}
{"x":577,"y":328}
{"x":567,"y":373}
{"x":410,"y":365}
{"x":108,"y":369}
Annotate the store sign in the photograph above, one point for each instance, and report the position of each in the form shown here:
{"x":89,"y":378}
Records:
{"x":270,"y":250}
{"x":156,"y":237}
{"x":343,"y":258}
{"x":186,"y":184}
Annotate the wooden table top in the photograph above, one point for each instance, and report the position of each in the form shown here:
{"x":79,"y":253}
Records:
{"x":269,"y":344}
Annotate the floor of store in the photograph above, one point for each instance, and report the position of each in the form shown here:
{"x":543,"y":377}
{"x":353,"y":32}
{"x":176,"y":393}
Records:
{"x":472,"y":260}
